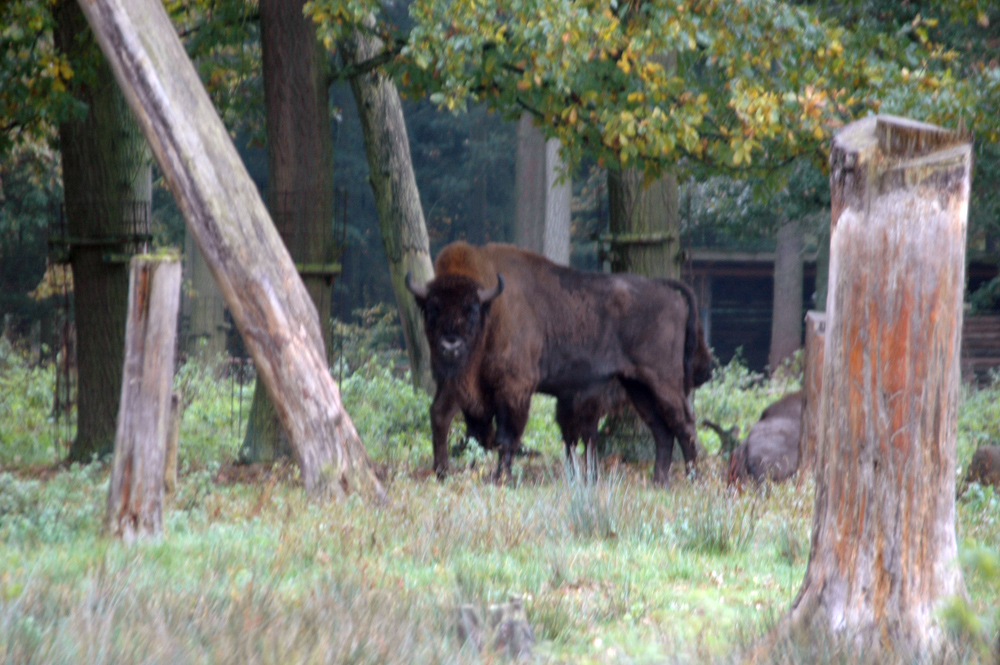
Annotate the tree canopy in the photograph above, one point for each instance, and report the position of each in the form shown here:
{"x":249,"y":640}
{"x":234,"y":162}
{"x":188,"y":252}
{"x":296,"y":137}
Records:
{"x":756,"y":83}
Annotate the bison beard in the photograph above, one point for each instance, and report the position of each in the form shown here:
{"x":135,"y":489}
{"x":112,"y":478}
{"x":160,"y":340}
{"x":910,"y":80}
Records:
{"x":504,"y":323}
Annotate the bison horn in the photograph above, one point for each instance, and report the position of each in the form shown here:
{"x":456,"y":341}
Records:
{"x":487,"y":295}
{"x":419,"y":292}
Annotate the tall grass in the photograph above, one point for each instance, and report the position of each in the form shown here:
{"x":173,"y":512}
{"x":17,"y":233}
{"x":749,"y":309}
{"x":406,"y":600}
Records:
{"x":610,"y":571}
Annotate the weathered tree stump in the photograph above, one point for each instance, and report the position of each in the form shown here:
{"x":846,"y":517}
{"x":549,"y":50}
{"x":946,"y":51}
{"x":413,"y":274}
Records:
{"x":884,"y":551}
{"x":135,"y":498}
{"x":812,"y":383}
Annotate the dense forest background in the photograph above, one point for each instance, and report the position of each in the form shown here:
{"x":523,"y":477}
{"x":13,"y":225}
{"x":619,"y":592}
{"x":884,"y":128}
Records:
{"x":465,"y":168}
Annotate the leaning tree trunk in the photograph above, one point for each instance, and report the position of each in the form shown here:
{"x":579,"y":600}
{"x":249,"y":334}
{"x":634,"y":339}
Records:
{"x":299,"y":181}
{"x":786,"y":313}
{"x":397,"y":200}
{"x":542,"y":201}
{"x":224,"y":212}
{"x":135,"y":492}
{"x":107,"y":183}
{"x":883,"y":553}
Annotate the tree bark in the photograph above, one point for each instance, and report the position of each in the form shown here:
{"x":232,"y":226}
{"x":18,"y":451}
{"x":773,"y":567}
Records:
{"x":173,"y":442}
{"x":542,"y":217}
{"x":397,"y":200}
{"x":107,"y":184}
{"x":883,"y":552}
{"x":204,"y":308}
{"x":644,"y":221}
{"x":786,"y":313}
{"x":224,"y":212}
{"x":300,"y":181}
{"x":812,"y":384}
{"x":135,"y":495}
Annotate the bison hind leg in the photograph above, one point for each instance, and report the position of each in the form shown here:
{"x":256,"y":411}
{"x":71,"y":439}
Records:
{"x":666,"y":418}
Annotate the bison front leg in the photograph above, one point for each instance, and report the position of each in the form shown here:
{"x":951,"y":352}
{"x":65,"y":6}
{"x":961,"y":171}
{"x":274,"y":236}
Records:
{"x":443,"y":411}
{"x":511,"y":421}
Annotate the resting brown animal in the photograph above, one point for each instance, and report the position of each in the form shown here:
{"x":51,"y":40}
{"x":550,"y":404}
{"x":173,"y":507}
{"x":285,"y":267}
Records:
{"x":771,"y":449}
{"x":985,"y":466}
{"x":504,"y":323}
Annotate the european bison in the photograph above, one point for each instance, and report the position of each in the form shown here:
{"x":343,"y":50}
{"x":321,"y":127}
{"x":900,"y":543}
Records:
{"x":504,"y":323}
{"x":771,"y":449}
{"x":579,"y":415}
{"x":985,"y":466}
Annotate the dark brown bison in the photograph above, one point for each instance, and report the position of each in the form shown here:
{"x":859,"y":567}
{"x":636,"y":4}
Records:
{"x":985,"y":466}
{"x":579,"y":415}
{"x":771,"y":449}
{"x":504,"y":323}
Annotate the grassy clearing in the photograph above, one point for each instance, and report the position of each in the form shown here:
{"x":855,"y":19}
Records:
{"x":615,"y":572}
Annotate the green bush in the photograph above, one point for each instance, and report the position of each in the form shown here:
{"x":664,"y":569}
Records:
{"x":735,"y":397}
{"x":30,"y":435}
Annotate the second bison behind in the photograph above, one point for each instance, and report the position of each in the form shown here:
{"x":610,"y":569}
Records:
{"x":504,"y":323}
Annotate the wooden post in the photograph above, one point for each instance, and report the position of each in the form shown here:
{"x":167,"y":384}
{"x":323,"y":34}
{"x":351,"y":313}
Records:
{"x":884,"y":553}
{"x":173,"y":442}
{"x":812,"y":382}
{"x":135,"y":498}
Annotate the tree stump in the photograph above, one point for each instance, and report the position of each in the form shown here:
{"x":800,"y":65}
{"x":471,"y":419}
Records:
{"x":812,"y":383}
{"x":135,"y":498}
{"x":884,"y":551}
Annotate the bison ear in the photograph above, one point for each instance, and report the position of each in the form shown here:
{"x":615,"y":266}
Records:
{"x":419,"y":292}
{"x":487,"y":295}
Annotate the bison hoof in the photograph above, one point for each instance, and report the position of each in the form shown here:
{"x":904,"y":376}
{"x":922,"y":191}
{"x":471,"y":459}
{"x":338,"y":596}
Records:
{"x":661,"y":477}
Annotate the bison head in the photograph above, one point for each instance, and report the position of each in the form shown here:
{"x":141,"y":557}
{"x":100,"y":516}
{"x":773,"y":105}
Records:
{"x":454,"y":308}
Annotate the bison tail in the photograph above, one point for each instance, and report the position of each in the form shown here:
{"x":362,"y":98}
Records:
{"x":690,"y":332}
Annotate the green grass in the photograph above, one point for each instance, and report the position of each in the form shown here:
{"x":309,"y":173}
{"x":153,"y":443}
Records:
{"x":613,"y":572}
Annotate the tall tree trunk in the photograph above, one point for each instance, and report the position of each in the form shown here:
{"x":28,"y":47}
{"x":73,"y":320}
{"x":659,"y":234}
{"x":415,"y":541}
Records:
{"x":107,"y":180}
{"x":542,"y":217}
{"x":644,"y":223}
{"x":786,"y":313}
{"x":645,"y":239}
{"x":204,"y":308}
{"x":224,"y":212}
{"x":397,"y":200}
{"x":300,"y":180}
{"x":884,"y":553}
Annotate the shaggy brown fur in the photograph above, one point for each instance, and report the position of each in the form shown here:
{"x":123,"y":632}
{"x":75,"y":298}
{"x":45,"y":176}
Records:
{"x":771,"y":449}
{"x":504,"y":323}
{"x":985,"y":466}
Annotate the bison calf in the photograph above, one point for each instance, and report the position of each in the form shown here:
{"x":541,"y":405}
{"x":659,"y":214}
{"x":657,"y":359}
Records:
{"x":771,"y":449}
{"x":504,"y":323}
{"x":985,"y":466}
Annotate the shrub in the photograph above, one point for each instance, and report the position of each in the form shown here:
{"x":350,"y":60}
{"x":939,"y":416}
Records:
{"x":718,"y":522}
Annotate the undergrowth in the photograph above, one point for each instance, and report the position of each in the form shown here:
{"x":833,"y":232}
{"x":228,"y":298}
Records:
{"x":612,"y":571}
